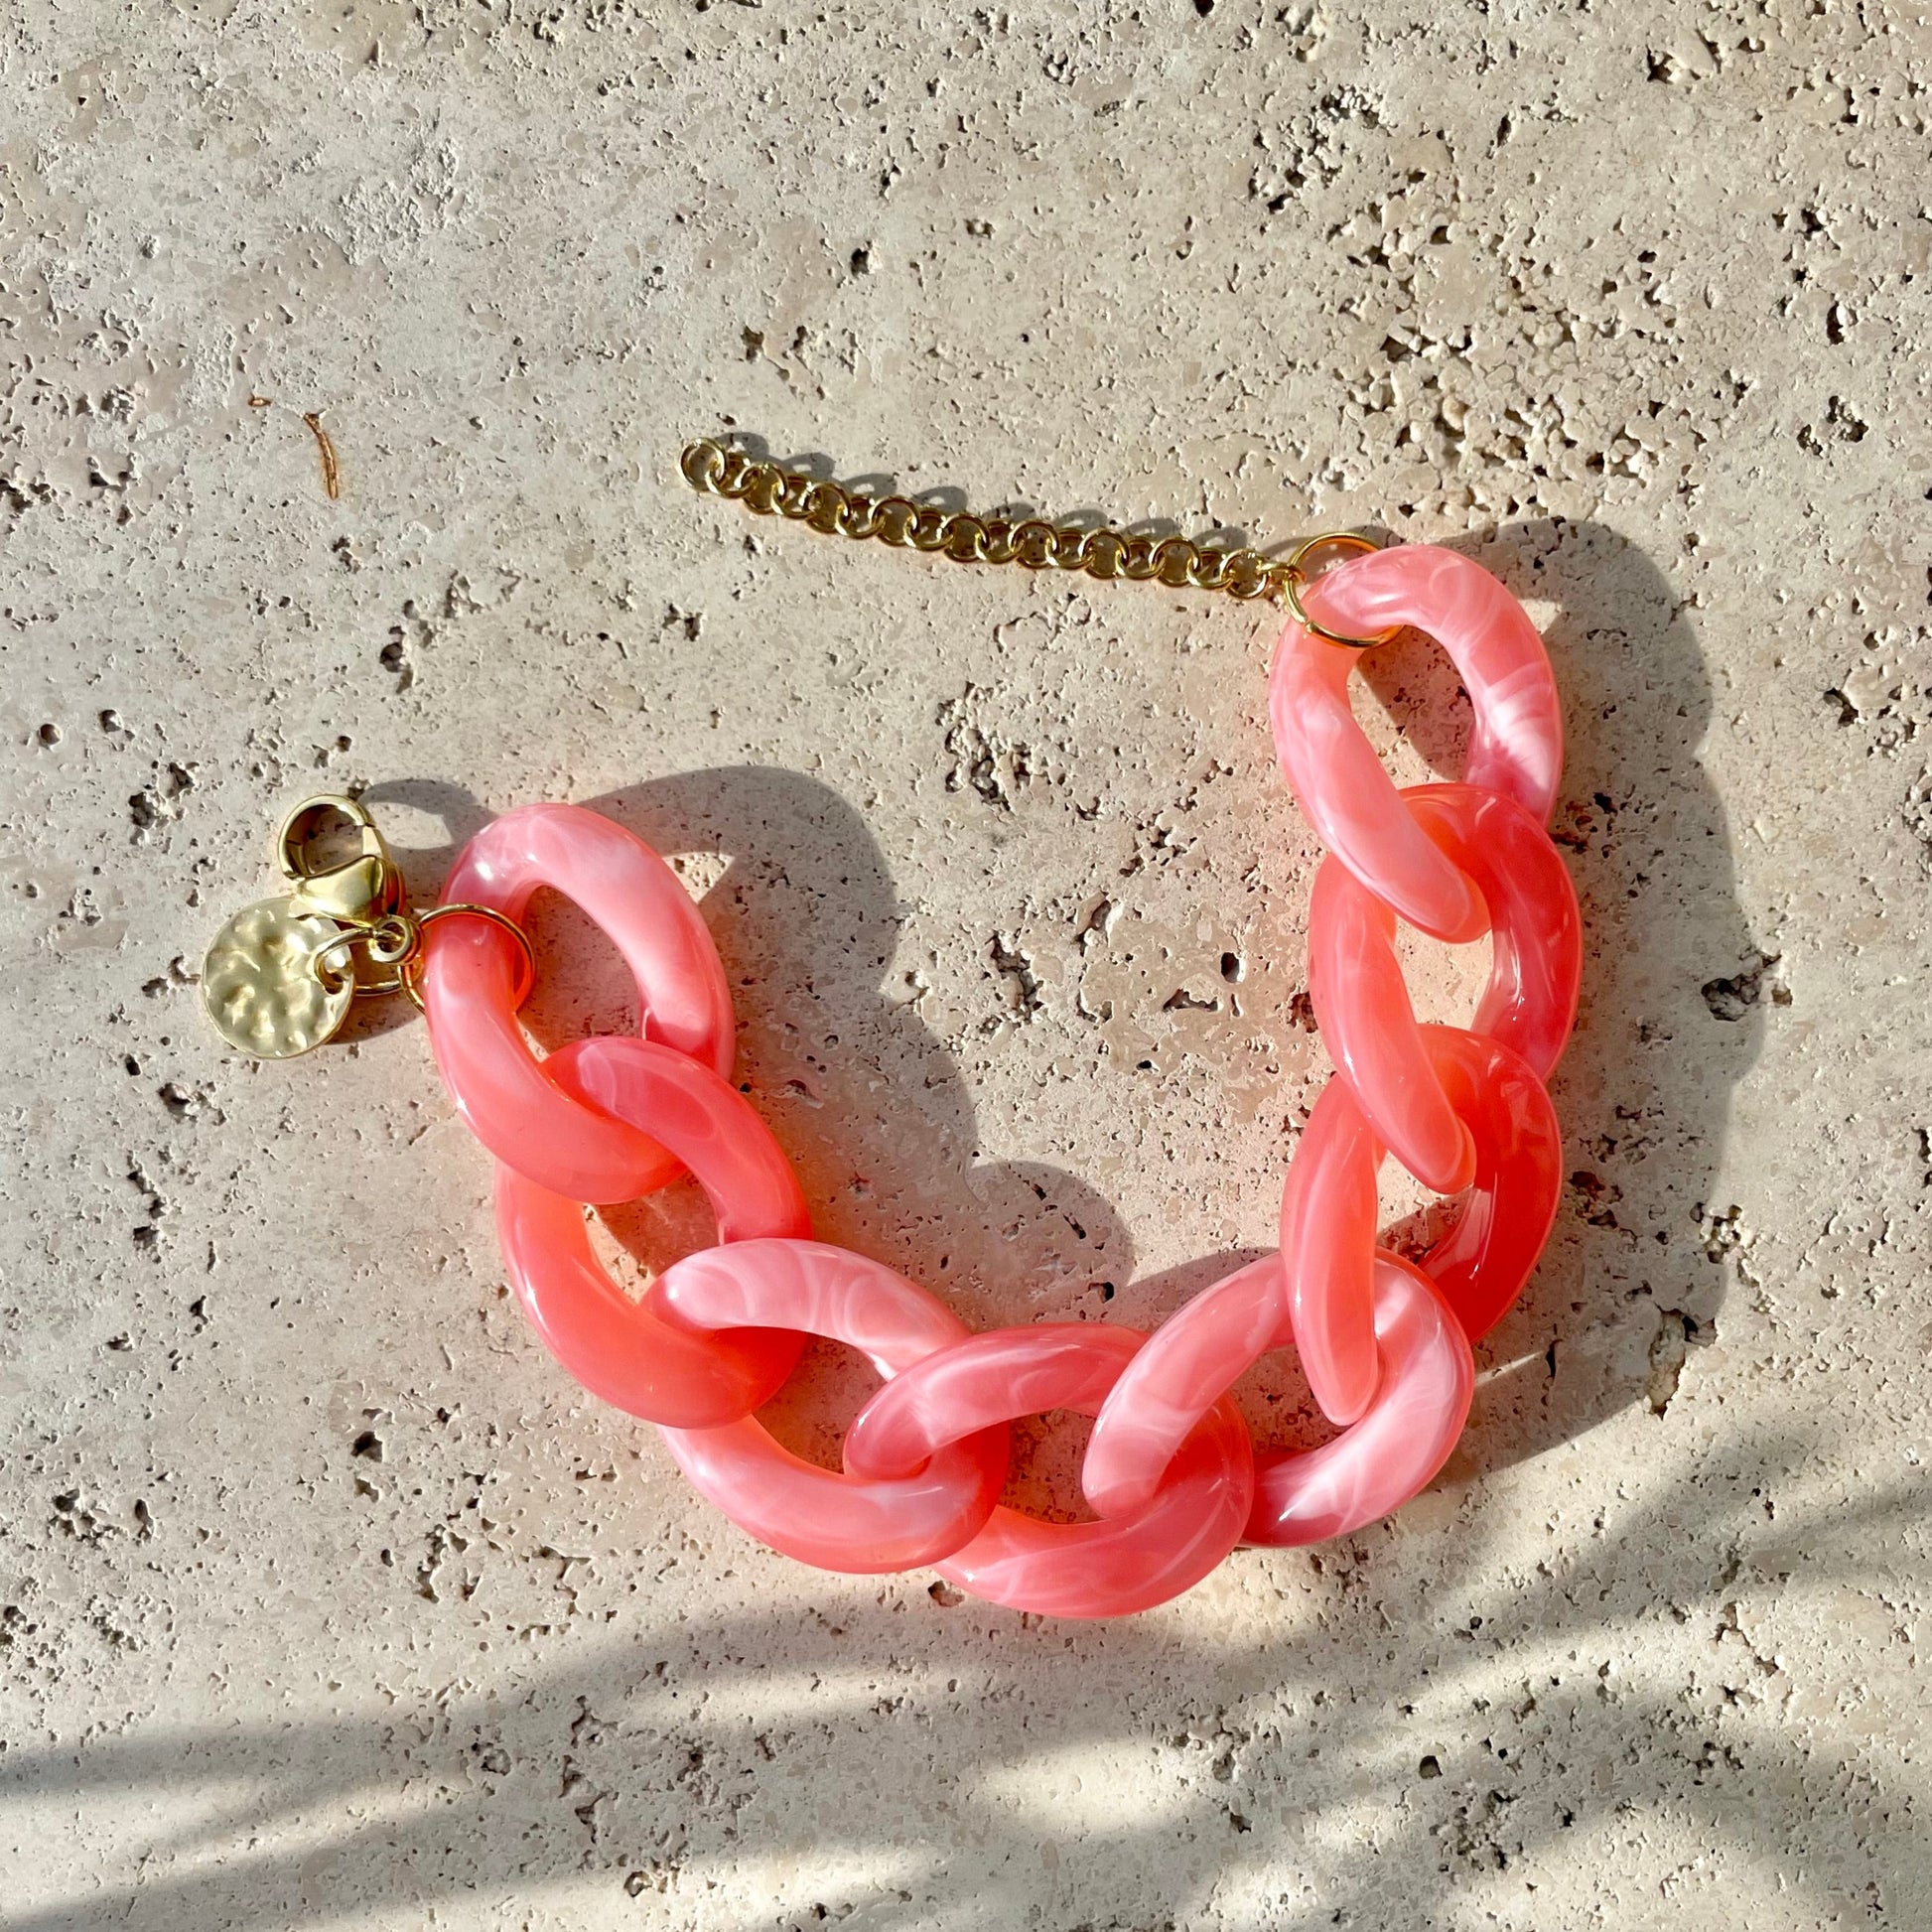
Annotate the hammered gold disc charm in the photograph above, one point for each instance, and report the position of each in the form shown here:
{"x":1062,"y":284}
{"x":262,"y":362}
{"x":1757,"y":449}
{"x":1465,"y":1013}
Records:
{"x":261,"y":986}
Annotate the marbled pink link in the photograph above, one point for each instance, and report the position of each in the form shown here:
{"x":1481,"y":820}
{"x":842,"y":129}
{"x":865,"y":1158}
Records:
{"x":1170,"y":1470}
{"x":1399,"y":1440}
{"x":848,"y":1521}
{"x":1397,"y":1444}
{"x":620,"y":1350}
{"x":518,"y":1113}
{"x":1515,"y":749}
{"x":1128,"y":1560}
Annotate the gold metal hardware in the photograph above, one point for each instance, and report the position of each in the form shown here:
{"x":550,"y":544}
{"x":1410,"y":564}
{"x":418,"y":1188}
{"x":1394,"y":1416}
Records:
{"x":367,"y":887}
{"x":1296,"y":581}
{"x":834,"y":509}
{"x":281,"y":975}
{"x":263,"y":986}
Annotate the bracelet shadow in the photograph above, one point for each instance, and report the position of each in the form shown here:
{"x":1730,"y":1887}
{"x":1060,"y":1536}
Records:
{"x":868,"y":1103}
{"x":879,"y":1119}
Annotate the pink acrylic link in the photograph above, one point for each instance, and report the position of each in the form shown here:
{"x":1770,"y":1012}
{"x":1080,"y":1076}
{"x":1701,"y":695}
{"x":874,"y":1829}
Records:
{"x":619,"y":1349}
{"x":1536,"y":932}
{"x":1363,"y":1007}
{"x":500,"y":1087}
{"x":1402,"y":1437}
{"x":1170,"y":1469}
{"x":1160,"y":1545}
{"x":1399,"y":1440}
{"x":1515,"y":749}
{"x":1479,"y":1266}
{"x":852,"y":1521}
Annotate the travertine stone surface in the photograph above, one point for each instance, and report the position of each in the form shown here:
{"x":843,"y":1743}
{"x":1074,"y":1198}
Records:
{"x":324,"y":1599}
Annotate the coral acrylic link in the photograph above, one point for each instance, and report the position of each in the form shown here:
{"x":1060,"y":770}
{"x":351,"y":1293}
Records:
{"x":518,"y":1112}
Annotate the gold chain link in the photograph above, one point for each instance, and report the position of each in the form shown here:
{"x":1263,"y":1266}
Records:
{"x":1032,"y":542}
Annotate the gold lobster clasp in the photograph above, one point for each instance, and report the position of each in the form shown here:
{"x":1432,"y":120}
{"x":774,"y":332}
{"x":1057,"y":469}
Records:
{"x":358,"y":890}
{"x":281,"y":974}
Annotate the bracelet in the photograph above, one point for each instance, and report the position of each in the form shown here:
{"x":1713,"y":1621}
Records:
{"x":1170,"y":1472}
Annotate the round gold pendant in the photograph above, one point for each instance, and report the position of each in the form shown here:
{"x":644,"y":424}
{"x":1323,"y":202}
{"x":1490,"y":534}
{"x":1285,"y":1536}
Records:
{"x":261,"y":986}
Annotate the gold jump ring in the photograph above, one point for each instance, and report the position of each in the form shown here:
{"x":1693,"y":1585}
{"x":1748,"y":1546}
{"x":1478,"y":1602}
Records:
{"x":411,"y":971}
{"x":1294,"y":576}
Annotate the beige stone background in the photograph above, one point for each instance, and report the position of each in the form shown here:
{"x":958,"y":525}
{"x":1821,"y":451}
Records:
{"x":324,"y":1599}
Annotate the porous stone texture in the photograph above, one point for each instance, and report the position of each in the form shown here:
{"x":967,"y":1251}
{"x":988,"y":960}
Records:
{"x":325,"y":1599}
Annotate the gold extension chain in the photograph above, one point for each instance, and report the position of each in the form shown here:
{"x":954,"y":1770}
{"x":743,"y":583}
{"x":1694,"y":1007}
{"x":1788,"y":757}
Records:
{"x":768,"y":489}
